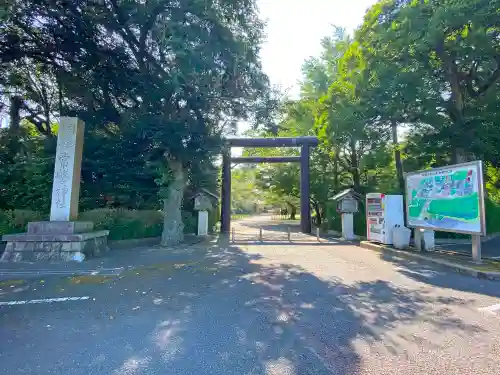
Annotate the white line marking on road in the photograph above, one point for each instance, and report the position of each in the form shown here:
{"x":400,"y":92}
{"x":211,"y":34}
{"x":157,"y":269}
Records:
{"x":45,"y":300}
{"x":491,"y":309}
{"x":102,"y":272}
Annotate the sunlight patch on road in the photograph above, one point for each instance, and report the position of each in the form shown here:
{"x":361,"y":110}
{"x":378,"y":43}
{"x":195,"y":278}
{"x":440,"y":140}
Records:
{"x":493,"y":309}
{"x":281,"y":366}
{"x":421,"y":272}
{"x":168,"y":340}
{"x":133,"y":365}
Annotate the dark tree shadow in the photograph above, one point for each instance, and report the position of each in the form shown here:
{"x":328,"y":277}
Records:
{"x":223,"y":311}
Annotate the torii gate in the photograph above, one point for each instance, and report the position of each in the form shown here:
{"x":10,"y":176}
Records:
{"x":305,"y":143}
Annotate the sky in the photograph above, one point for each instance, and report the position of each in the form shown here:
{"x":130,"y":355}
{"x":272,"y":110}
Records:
{"x":294,"y":32}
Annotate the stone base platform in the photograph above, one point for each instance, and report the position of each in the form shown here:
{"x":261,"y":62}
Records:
{"x":55,"y":241}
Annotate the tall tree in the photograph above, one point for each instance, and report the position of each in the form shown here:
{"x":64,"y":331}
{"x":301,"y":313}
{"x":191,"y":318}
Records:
{"x":170,"y":73}
{"x":448,"y":53}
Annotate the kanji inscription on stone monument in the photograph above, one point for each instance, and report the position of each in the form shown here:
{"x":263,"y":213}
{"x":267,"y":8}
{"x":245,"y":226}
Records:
{"x":66,"y":185}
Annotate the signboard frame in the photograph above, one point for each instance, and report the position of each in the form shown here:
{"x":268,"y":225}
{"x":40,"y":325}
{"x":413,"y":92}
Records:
{"x":344,"y":210}
{"x":480,"y":179}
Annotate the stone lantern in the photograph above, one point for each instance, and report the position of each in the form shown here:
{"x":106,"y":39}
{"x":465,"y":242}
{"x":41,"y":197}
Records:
{"x":347,"y":205}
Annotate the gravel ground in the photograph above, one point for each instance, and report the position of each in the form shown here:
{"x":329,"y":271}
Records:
{"x":255,"y":309}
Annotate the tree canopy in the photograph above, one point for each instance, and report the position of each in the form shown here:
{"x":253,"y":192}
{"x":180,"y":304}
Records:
{"x":415,"y":86}
{"x":157,"y":82}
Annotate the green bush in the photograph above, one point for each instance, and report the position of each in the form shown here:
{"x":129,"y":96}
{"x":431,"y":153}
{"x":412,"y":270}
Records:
{"x":492,"y":216}
{"x":16,"y":221}
{"x":125,"y":224}
{"x":122,"y":223}
{"x":190,"y":221}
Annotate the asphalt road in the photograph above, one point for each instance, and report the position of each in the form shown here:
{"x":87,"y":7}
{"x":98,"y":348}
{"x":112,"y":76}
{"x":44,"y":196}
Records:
{"x":254,"y":309}
{"x":489,"y":249}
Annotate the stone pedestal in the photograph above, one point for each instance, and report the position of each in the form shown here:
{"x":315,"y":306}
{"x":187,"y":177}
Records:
{"x":348,"y":226}
{"x":202,"y":223}
{"x":424,"y":240}
{"x":55,"y":241}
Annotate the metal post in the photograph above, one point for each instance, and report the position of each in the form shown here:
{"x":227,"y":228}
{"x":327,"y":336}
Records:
{"x":317,"y":234}
{"x":476,"y":249}
{"x":305,"y":204}
{"x":260,"y":234}
{"x":232,"y":235}
{"x":225,"y":219}
{"x":289,"y":237}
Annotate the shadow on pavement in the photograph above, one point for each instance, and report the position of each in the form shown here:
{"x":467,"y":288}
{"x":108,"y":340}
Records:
{"x":439,"y":276}
{"x":217,"y":311}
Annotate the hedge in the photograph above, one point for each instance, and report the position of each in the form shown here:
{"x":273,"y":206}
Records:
{"x":121,"y":223}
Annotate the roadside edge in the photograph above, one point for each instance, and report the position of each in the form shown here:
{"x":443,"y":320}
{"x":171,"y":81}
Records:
{"x":456,"y":267}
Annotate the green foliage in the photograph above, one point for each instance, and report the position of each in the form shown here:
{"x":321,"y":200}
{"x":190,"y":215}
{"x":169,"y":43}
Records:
{"x":156,"y":83}
{"x":125,"y":224}
{"x":492,"y":216}
{"x":430,"y":68}
{"x":190,"y":220}
{"x":16,"y":221}
{"x":122,"y":224}
{"x":246,"y":197}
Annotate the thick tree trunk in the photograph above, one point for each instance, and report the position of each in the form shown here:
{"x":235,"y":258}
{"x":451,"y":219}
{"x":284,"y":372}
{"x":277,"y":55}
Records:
{"x":336,"y":184}
{"x":456,"y":106}
{"x":397,"y":157}
{"x":173,"y":227}
{"x":16,"y":103}
{"x":458,"y":156}
{"x":354,"y":165}
{"x":293,"y":211}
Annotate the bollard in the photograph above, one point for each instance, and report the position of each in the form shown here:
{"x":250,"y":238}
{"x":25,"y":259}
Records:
{"x":260,"y":234}
{"x":289,"y":239}
{"x":317,"y":234}
{"x":232,"y":235}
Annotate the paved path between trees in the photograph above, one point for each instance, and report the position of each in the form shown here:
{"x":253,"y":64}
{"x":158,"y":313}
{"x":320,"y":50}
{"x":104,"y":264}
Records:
{"x":215,"y":308}
{"x":247,"y":229}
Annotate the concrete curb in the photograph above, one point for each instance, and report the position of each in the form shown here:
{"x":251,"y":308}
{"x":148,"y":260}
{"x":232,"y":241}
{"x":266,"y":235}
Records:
{"x":456,"y":267}
{"x":339,"y":234}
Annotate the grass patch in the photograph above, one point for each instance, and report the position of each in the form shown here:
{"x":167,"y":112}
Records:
{"x":11,"y":283}
{"x":89,"y":279}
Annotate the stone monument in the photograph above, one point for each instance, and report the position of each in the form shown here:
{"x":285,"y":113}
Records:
{"x":62,"y":238}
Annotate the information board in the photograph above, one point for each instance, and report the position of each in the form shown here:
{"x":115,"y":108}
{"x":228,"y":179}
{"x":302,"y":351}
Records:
{"x":348,"y":205}
{"x":449,"y":199}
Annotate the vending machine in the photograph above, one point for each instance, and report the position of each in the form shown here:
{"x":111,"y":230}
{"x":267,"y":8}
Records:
{"x":383,"y":213}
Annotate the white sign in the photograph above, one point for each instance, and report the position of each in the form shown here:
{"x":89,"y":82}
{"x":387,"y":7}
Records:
{"x":447,"y":199}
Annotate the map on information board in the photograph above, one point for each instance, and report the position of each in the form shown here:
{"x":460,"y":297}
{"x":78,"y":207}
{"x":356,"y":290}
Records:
{"x":447,"y":199}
